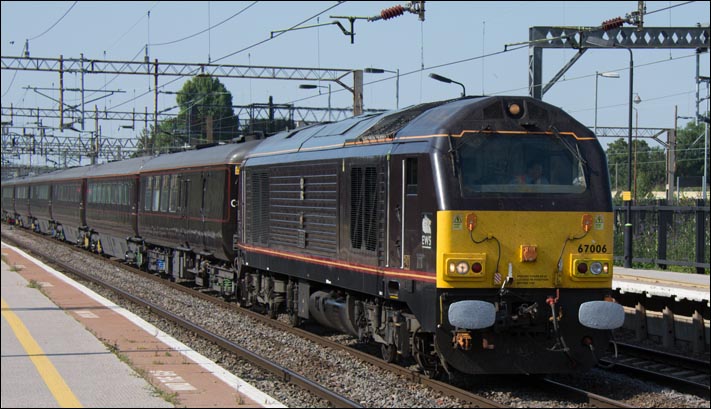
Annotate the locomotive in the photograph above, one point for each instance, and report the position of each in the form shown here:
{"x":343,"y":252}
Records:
{"x":418,"y":229}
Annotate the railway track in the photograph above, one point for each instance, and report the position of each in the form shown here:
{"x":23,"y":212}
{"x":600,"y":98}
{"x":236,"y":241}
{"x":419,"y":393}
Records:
{"x":274,"y":368}
{"x":549,"y":386}
{"x":280,"y":372}
{"x":689,"y":374}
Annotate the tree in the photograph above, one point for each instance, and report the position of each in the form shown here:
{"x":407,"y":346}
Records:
{"x":205,"y":116}
{"x":690,"y":150}
{"x":650,"y":167}
{"x":165,"y":140}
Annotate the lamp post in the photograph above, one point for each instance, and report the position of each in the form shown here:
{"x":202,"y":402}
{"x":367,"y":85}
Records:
{"x":637,"y":100}
{"x":448,"y":81}
{"x":599,"y":42}
{"x":397,"y":81}
{"x":312,"y":86}
{"x":604,"y":75}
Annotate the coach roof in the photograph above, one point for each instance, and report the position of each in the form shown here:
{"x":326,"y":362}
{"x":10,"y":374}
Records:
{"x":216,"y":155}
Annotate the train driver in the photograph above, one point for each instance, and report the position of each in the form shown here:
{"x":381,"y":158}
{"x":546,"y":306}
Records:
{"x":534,"y":174}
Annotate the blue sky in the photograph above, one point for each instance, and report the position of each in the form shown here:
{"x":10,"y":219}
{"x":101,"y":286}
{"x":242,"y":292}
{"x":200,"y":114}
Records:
{"x":452,"y":32}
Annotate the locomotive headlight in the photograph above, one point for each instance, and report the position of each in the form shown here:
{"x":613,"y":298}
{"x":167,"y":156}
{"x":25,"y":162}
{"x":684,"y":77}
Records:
{"x":514,"y":109}
{"x":585,"y":269}
{"x":464,"y":267}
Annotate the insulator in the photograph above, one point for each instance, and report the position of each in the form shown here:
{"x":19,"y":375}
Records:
{"x":613,"y":23}
{"x":392,"y":12}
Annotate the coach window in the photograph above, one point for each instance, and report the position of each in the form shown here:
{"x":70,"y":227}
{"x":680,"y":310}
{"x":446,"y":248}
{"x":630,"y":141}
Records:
{"x":124,"y":190}
{"x":105,"y":193}
{"x":164,"y":194}
{"x":113,"y":193}
{"x":149,"y":193}
{"x":173,"y":193}
{"x":156,"y":193}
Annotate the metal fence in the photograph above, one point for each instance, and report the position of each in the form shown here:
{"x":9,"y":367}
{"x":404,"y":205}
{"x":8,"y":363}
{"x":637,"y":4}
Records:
{"x":666,"y":235}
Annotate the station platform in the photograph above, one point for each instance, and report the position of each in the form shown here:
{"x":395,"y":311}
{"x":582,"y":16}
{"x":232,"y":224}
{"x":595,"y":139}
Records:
{"x":65,"y":346}
{"x":678,"y":286}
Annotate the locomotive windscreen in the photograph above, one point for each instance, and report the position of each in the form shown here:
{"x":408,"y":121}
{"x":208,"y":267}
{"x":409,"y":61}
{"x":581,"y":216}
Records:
{"x":530,"y":163}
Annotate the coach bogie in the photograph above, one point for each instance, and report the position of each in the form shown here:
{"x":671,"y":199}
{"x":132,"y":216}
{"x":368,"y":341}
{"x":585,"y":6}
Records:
{"x":159,"y":260}
{"x":221,"y":279}
{"x":182,"y":263}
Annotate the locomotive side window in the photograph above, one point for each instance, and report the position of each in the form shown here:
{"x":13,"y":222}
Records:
{"x":520,"y":164}
{"x":411,"y":176}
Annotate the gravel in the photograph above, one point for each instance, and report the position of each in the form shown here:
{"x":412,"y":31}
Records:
{"x":341,"y":372}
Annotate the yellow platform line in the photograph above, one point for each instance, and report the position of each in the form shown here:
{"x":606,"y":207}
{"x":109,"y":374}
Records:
{"x":60,"y":390}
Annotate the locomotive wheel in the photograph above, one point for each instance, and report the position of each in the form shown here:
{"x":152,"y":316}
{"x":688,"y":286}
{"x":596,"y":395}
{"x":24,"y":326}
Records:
{"x":427,"y":360}
{"x":389,"y":352}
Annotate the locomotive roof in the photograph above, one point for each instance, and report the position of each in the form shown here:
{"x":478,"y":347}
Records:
{"x":215,"y":155}
{"x":425,"y":120}
{"x":361,"y":128}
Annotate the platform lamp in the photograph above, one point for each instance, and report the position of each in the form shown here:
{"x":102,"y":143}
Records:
{"x":397,"y":81}
{"x":448,"y":81}
{"x":312,"y":86}
{"x":599,"y":42}
{"x":604,"y":75}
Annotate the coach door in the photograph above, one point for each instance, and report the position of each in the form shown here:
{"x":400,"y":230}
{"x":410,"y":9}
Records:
{"x":184,"y":201}
{"x":203,"y":210}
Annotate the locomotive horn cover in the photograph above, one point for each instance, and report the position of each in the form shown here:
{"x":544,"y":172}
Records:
{"x":472,"y":314}
{"x":601,"y":315}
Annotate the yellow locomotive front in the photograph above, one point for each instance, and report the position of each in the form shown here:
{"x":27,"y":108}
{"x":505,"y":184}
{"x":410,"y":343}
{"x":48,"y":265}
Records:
{"x":524,"y":255}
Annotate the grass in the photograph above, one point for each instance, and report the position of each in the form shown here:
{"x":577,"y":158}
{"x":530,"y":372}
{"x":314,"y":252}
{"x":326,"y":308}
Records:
{"x":170,"y":397}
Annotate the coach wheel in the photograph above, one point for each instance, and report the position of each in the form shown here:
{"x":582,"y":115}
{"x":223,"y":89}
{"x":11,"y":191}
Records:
{"x":272,"y":311}
{"x":389,"y":352}
{"x":294,"y":319}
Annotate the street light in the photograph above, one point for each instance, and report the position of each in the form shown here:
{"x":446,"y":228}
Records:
{"x":604,"y":75}
{"x":599,"y":42}
{"x":637,"y":100}
{"x":448,"y":81}
{"x":312,"y":86}
{"x":397,"y":81}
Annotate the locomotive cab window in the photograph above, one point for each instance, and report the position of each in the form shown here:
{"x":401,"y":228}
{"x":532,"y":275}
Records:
{"x":520,"y":164}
